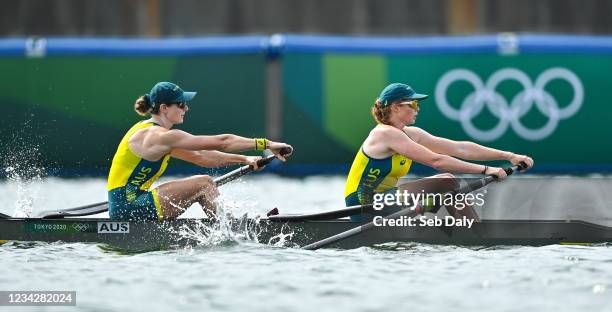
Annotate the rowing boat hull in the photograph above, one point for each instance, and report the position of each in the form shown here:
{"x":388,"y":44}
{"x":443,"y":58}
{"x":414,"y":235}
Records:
{"x":183,"y":232}
{"x":486,"y":233}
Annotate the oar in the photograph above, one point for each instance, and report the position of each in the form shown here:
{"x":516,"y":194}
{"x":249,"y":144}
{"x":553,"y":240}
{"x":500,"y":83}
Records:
{"x":103,"y":206}
{"x":471,"y":186}
{"x":327,"y":215}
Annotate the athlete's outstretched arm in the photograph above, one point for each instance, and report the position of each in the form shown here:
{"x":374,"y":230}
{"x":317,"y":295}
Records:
{"x":223,"y":142}
{"x":463,"y":149}
{"x":213,"y":159}
{"x":400,"y":143}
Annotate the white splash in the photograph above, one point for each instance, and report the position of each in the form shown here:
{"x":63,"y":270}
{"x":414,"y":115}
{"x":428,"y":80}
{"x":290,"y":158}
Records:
{"x":24,"y":172}
{"x":224,"y":229}
{"x":281,"y":239}
{"x":599,"y":289}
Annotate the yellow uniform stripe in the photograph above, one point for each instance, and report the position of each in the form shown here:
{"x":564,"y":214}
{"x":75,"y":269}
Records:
{"x":160,"y":211}
{"x":357,"y":171}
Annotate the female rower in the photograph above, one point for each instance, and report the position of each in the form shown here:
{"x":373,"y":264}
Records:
{"x":388,"y":151}
{"x":144,"y":151}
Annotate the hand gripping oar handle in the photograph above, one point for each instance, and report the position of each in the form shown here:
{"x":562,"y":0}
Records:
{"x":478,"y":183}
{"x":235,"y":174}
{"x":471,"y":186}
{"x":103,"y":206}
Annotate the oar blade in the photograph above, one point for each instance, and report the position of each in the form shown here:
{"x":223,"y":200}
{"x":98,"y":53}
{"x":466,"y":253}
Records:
{"x":75,"y":212}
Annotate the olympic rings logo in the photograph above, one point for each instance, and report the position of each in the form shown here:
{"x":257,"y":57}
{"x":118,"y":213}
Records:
{"x":485,"y":94}
{"x":81,"y":227}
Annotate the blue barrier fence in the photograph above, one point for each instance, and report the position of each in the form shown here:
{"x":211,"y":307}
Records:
{"x":278,"y":44}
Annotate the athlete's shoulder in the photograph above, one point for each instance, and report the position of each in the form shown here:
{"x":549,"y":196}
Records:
{"x":157,"y":129}
{"x":385,"y":131}
{"x":415,"y":133}
{"x":380,"y":128}
{"x":150,"y":135}
{"x":170,"y":136}
{"x":413,"y":130}
{"x":151,"y":132}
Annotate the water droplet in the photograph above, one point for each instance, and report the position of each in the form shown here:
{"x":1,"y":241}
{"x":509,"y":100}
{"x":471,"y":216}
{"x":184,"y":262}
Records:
{"x":571,"y":258}
{"x":598,"y":289}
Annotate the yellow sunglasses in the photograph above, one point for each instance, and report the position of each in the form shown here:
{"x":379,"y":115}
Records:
{"x":414,"y":104}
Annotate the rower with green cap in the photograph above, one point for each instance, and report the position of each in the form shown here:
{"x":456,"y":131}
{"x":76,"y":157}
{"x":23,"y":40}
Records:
{"x":387,"y":154}
{"x":146,"y":148}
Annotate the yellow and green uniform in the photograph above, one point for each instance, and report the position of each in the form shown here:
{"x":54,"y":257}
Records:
{"x":370,"y":175}
{"x":129,"y":181}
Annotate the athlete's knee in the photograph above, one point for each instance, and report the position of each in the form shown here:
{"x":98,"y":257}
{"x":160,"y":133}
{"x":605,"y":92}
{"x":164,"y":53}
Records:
{"x":445,"y":176}
{"x":445,"y":180}
{"x":204,"y":180}
{"x":207,"y":185}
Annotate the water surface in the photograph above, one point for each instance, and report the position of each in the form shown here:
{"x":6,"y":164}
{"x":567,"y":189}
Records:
{"x":234,"y":275}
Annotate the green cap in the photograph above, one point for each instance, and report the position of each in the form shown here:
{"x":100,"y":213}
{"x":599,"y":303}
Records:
{"x":168,"y":92}
{"x":398,"y":92}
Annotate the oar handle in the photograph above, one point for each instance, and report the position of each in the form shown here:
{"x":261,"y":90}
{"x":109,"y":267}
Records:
{"x":515,"y":168}
{"x":268,"y":159}
{"x":478,"y":183}
{"x":235,"y":174}
{"x":509,"y":171}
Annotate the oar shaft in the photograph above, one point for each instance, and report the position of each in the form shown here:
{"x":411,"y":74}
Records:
{"x":332,"y":239}
{"x":327,"y":215}
{"x":235,"y":174}
{"x":357,"y":230}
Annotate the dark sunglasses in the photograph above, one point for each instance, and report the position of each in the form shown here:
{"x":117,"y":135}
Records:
{"x":180,"y":105}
